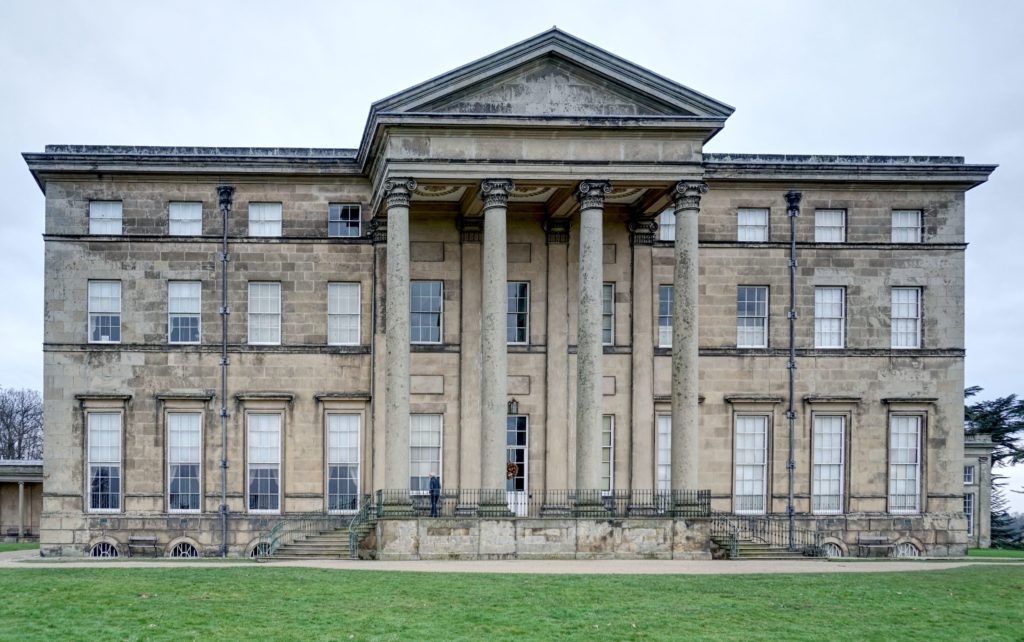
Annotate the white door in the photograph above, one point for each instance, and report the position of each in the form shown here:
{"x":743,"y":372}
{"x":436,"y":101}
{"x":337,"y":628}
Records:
{"x":516,"y":463}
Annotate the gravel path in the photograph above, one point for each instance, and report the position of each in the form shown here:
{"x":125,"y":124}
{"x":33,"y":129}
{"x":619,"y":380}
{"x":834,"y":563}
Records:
{"x":30,"y":559}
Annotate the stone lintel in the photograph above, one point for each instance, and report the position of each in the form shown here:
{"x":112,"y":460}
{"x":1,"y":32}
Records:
{"x":734,"y":399}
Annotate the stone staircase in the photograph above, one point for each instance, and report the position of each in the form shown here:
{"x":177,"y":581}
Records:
{"x":751,"y":550}
{"x":331,"y":544}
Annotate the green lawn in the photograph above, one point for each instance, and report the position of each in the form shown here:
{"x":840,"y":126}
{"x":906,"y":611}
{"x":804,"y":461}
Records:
{"x":272,"y":603}
{"x":23,"y":546}
{"x":995,"y":552}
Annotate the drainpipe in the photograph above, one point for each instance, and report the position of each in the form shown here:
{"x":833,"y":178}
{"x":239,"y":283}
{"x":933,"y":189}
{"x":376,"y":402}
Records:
{"x":793,"y":210}
{"x":224,"y":192}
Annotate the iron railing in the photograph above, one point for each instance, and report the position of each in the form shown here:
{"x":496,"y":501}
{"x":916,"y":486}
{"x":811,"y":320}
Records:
{"x":355,"y":526}
{"x":288,"y":527}
{"x":594,"y":504}
{"x":772,"y":530}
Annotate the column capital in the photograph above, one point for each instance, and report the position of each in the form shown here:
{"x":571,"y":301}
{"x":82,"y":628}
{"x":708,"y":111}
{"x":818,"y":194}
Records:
{"x":398,"y":191}
{"x":471,"y":228}
{"x":557,"y":230}
{"x":378,"y":231}
{"x":495,"y":191}
{"x":793,"y":199}
{"x":686,"y":195}
{"x":642,"y":230}
{"x":590,"y":193}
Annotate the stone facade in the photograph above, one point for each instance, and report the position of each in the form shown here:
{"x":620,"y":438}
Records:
{"x":424,"y":178}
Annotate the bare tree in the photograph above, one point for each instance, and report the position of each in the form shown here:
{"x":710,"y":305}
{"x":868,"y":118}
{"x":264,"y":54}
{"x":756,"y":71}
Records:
{"x":21,"y":424}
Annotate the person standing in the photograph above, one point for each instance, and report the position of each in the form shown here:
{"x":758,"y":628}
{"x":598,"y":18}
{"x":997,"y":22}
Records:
{"x":435,"y":493}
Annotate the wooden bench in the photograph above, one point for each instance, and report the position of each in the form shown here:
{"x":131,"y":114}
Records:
{"x":142,"y":542}
{"x":866,"y":543}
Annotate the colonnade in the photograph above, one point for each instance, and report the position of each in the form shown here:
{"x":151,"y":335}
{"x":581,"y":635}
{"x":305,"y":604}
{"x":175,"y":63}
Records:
{"x":590,"y":194}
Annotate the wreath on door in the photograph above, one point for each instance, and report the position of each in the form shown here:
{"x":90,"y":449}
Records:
{"x":511,"y":470}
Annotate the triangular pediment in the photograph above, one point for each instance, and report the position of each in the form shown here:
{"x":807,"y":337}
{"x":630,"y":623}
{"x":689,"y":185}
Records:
{"x":551,"y":86}
{"x":553,"y":74}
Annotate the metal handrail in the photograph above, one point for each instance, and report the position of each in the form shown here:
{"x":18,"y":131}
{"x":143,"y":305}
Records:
{"x":353,"y":526}
{"x":773,"y":530}
{"x":301,"y":523}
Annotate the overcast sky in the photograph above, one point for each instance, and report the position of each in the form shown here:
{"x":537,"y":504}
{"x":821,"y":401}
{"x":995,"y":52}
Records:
{"x":930,"y":77}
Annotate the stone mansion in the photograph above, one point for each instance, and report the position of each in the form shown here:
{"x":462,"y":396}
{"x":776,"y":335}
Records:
{"x":530,"y":280}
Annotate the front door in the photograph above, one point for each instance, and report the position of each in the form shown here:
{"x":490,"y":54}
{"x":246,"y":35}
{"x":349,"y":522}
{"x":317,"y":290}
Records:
{"x":516,"y":462}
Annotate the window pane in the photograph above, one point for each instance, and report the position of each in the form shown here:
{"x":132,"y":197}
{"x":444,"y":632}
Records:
{"x":105,"y":217}
{"x":830,"y":226}
{"x":607,"y":452}
{"x":343,"y":220}
{"x":752,"y":317}
{"x":186,"y":219}
{"x":752,"y":225}
{"x":829,"y":317}
{"x":265,"y":313}
{"x":424,"y":450}
{"x":667,"y":225}
{"x":517,"y":325}
{"x":906,"y":318}
{"x":751,"y":461}
{"x":426,"y":311}
{"x":343,"y":462}
{"x":608,"y":314}
{"x":904,"y":464}
{"x":665,"y":302}
{"x":104,"y":311}
{"x":828,"y":464}
{"x":264,"y":219}
{"x":906,"y":226}
{"x":343,"y":313}
{"x":664,"y":453}
{"x":104,"y":461}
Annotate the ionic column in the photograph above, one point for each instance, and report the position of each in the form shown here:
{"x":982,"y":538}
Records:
{"x":494,"y":346}
{"x":685,"y":420}
{"x":398,"y":192}
{"x":589,"y":349}
{"x":641,"y":237}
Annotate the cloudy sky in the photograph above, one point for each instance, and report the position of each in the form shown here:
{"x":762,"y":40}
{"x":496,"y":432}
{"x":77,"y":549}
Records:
{"x":930,"y":77}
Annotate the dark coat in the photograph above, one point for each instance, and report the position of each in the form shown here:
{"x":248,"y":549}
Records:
{"x":435,"y":486}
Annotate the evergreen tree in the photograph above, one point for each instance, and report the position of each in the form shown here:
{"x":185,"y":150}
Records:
{"x":1002,"y":420}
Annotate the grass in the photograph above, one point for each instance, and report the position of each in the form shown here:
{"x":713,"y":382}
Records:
{"x":995,"y":552}
{"x":22,"y":546}
{"x":982,"y":602}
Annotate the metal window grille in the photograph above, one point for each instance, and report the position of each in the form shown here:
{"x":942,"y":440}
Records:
{"x":752,"y":225}
{"x":752,"y":317}
{"x":904,"y":464}
{"x":343,"y":301}
{"x":104,"y":311}
{"x":343,"y":220}
{"x":184,"y":454}
{"x":264,"y":219}
{"x":517,"y":320}
{"x":104,"y":549}
{"x":426,"y":311}
{"x":906,"y":317}
{"x":183,"y":549}
{"x":608,"y":314}
{"x":105,"y":217}
{"x":265,"y":313}
{"x":343,"y":462}
{"x":184,"y":308}
{"x":829,"y":317}
{"x":906,"y":226}
{"x":185,"y":219}
{"x":830,"y":226}
{"x":104,"y":461}
{"x":751,"y":463}
{"x":665,"y":302}
{"x":827,"y":464}
{"x":424,"y":451}
{"x":264,"y":462}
